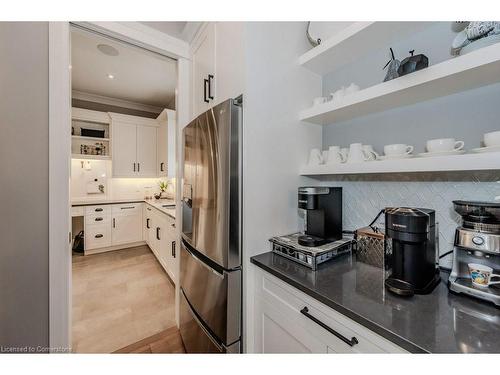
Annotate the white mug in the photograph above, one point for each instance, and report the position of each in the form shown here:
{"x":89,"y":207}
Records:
{"x":398,"y":149}
{"x":338,"y":95}
{"x":351,"y":89}
{"x":319,"y":100}
{"x":335,"y":156}
{"x":356,"y":153}
{"x":315,"y":157}
{"x":344,"y":151}
{"x":481,"y":275}
{"x":492,"y":139}
{"x":444,"y":144}
{"x":370,"y":152}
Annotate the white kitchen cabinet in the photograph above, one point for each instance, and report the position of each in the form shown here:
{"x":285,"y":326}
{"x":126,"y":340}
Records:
{"x":218,"y":64}
{"x":161,"y":240}
{"x":146,"y":151}
{"x":126,"y":223}
{"x":281,"y":327}
{"x":166,"y":143}
{"x":124,"y":141}
{"x":203,"y":69}
{"x":134,"y":146}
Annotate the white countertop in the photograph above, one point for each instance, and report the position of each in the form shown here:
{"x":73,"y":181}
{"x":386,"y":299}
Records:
{"x":156,"y":203}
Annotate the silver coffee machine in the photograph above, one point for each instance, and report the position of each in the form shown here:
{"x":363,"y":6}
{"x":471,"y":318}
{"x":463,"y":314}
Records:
{"x":477,"y":241}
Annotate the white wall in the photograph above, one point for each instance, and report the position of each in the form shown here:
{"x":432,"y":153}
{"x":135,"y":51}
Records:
{"x":274,"y":140}
{"x":116,"y":188}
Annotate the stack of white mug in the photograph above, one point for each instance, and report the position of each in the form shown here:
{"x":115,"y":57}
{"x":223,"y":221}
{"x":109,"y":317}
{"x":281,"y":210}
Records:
{"x":356,"y":153}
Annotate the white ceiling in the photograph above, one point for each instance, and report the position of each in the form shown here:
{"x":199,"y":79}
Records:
{"x":139,"y":76}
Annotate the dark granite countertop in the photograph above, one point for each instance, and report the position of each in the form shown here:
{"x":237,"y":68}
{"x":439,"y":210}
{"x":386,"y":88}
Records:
{"x":439,"y":322}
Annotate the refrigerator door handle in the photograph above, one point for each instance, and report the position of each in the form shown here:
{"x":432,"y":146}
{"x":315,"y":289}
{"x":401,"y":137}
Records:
{"x":186,"y":247}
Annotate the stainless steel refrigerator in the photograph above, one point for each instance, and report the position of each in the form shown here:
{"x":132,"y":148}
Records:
{"x":211,"y":275}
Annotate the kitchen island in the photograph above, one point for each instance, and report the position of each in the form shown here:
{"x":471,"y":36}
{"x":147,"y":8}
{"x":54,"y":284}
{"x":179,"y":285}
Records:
{"x":440,"y":322}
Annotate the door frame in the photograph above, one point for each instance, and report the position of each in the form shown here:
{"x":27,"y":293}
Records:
{"x":60,"y":301}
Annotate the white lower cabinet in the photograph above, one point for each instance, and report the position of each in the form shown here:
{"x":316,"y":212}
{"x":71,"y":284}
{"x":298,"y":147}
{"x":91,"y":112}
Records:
{"x":281,"y":327}
{"x":126,"y":223}
{"x":160,"y":229}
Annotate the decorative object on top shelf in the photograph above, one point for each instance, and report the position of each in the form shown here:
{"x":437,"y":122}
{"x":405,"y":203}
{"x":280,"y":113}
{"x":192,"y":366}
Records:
{"x":413,"y":63}
{"x":392,"y":67}
{"x":95,"y":133}
{"x":314,"y":42}
{"x":474,"y":35}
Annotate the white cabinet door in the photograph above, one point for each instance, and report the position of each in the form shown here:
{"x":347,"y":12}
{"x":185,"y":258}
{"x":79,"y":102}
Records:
{"x":162,"y":162}
{"x":127,"y":223}
{"x":203,"y":66}
{"x":146,"y":151}
{"x":275,"y":333}
{"x":229,"y":61}
{"x":172,"y":143}
{"x":124,"y":149}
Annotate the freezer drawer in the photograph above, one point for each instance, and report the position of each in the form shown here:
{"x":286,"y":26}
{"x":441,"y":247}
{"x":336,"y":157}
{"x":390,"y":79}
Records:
{"x":195,"y":336}
{"x":215,"y":294}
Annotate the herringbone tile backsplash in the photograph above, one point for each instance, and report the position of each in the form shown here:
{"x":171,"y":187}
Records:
{"x":365,"y":196}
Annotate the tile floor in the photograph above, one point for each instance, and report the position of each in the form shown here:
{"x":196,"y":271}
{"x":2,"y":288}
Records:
{"x":119,"y":298}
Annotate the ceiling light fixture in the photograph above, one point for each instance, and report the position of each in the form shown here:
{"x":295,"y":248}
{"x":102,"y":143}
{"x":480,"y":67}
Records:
{"x":108,"y":50}
{"x":111,"y":76}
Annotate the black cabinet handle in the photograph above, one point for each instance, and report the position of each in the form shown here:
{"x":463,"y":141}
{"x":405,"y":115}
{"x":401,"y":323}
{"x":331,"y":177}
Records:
{"x":134,"y":167}
{"x":353,"y":341}
{"x":161,"y":167}
{"x":127,"y":208}
{"x":114,"y":226}
{"x":138,"y":167}
{"x":98,"y":210}
{"x":98,"y":219}
{"x":210,"y":77}
{"x":158,"y":233}
{"x":173,"y":225}
{"x":147,"y":223}
{"x":98,"y":236}
{"x":205,"y":84}
{"x":173,"y":249}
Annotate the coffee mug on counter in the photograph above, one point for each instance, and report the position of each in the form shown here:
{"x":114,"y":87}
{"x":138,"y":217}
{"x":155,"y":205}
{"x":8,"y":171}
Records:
{"x":444,"y":145}
{"x":481,"y":275}
{"x":397,"y":149}
{"x":356,"y":153}
{"x":335,"y":156}
{"x":492,"y":139}
{"x":315,"y":157}
{"x":370,"y":152}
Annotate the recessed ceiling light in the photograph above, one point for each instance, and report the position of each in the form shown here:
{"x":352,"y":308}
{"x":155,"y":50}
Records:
{"x":108,"y":50}
{"x":111,"y":76}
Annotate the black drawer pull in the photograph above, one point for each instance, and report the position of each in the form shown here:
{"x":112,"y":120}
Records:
{"x":210,"y":77}
{"x":173,"y":249}
{"x":158,"y":234}
{"x":127,"y":208}
{"x":98,"y":219}
{"x":99,"y":236}
{"x":98,"y":210}
{"x":147,"y":223}
{"x":353,"y":341}
{"x":161,"y":167}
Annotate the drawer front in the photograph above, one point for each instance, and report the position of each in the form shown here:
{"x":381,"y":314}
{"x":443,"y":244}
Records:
{"x":127,"y":209}
{"x":99,"y":220}
{"x":321,"y":320}
{"x":77,"y":211}
{"x":98,"y":210}
{"x":97,"y":236}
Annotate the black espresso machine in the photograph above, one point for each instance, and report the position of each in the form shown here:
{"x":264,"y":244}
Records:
{"x":323,"y":207}
{"x":411,"y":236}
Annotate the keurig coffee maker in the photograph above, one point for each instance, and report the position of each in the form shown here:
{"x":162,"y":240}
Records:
{"x":412,"y":236}
{"x":323,"y":207}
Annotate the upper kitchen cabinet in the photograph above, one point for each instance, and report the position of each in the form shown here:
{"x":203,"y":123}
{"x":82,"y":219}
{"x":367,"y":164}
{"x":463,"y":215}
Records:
{"x":166,"y":143}
{"x":134,"y":146}
{"x":217,"y":70}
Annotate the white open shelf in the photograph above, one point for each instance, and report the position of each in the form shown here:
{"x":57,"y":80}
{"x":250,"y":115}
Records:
{"x":465,"y":162}
{"x":355,"y":41}
{"x":475,"y":69}
{"x":81,"y":137}
{"x":90,"y":157}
